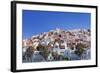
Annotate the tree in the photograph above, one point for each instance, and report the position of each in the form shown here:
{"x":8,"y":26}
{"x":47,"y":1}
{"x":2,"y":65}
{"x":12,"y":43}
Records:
{"x":44,"y":51}
{"x":79,"y":49}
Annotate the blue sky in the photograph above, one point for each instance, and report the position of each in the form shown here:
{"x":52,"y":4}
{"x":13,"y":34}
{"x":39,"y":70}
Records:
{"x":36,"y":22}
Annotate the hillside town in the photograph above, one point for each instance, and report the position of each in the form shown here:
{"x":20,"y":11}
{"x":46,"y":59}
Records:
{"x":57,"y":45}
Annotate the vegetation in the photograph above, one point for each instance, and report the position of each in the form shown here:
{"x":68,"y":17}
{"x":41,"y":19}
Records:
{"x":80,"y":49}
{"x":44,"y":50}
{"x":65,"y":58}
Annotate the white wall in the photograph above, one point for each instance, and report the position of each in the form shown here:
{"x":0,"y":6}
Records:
{"x":5,"y":36}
